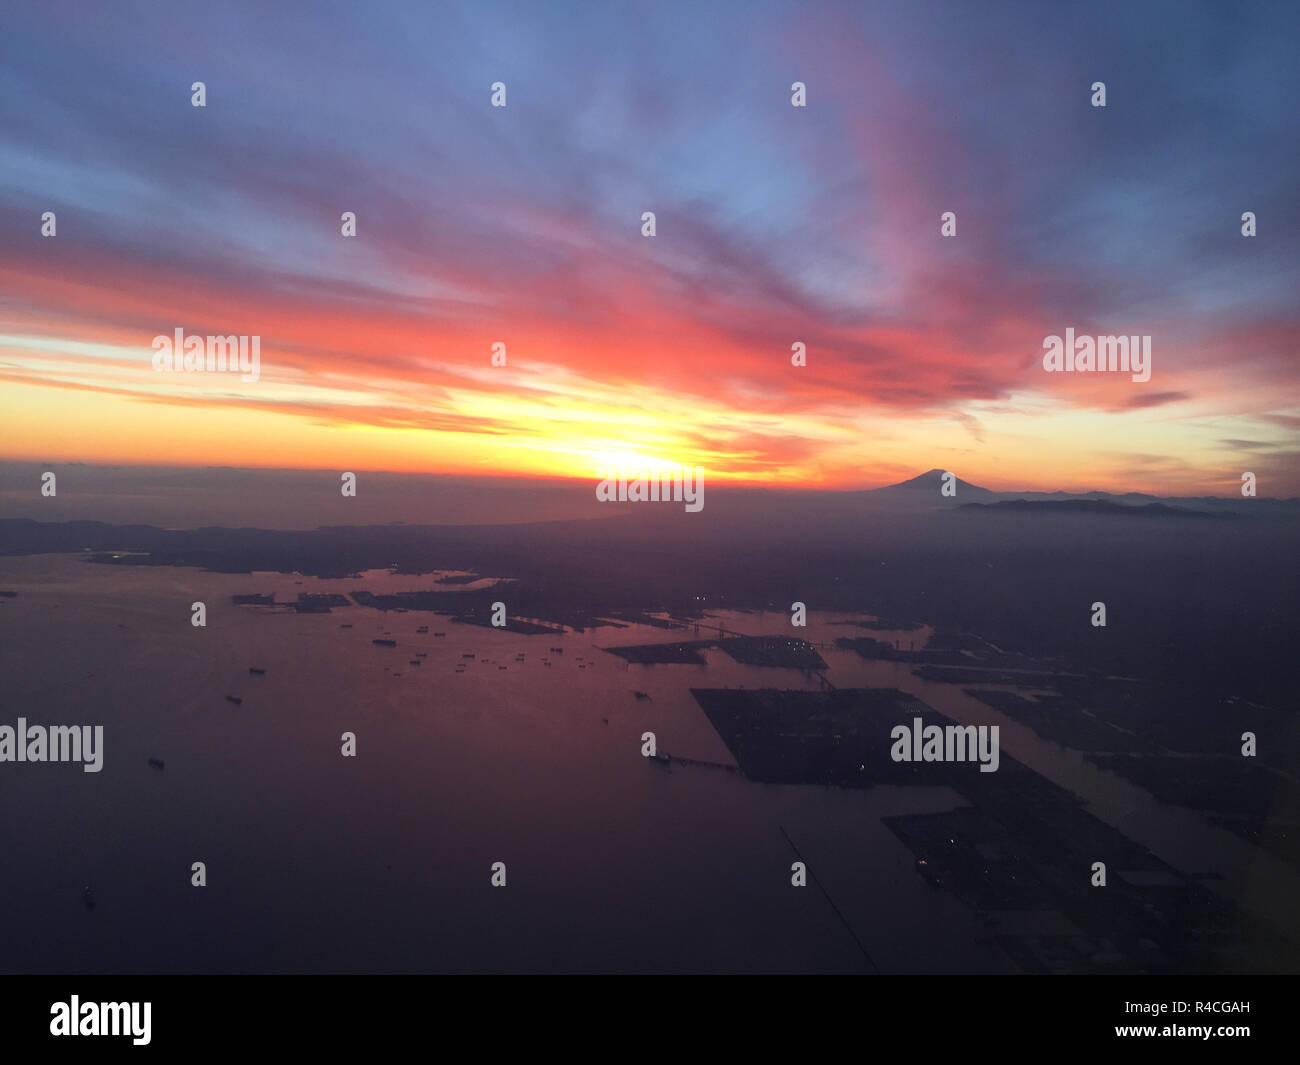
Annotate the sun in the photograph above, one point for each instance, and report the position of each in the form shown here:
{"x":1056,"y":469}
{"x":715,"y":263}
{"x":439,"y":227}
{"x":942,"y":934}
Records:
{"x":612,"y":461}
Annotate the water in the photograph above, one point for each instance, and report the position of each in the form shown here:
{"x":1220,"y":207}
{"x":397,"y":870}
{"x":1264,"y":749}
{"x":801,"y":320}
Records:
{"x":382,"y":862}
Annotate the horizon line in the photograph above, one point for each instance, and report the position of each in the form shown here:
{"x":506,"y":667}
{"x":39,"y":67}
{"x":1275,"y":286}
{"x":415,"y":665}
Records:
{"x":726,"y":482}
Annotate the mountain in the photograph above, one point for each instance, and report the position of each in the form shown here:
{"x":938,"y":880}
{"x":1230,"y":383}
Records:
{"x":923,"y":493}
{"x":1096,"y":506}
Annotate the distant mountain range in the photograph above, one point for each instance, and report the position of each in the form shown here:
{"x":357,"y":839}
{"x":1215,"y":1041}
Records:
{"x":924,"y":492}
{"x":1098,"y":506}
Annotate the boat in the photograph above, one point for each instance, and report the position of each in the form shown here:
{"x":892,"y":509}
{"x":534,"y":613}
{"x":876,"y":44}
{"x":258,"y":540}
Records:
{"x":257,"y":672}
{"x":384,"y":643}
{"x":234,"y":699}
{"x":157,"y":763}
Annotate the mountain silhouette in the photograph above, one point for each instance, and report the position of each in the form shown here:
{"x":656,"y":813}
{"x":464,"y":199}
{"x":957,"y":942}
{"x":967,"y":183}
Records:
{"x":923,"y":493}
{"x":1097,"y":506}
{"x":926,"y":490}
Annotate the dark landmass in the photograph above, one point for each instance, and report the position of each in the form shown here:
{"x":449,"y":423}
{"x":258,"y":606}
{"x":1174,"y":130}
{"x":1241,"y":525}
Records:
{"x":652,"y":654}
{"x":435,"y":601}
{"x":841,"y":738}
{"x":310,"y":603}
{"x":784,"y":652}
{"x":1210,"y":612}
{"x":1026,"y":678}
{"x":1237,"y":787}
{"x":869,"y":648}
{"x":968,"y":642}
{"x":640,"y":617}
{"x":1082,"y":731}
{"x":1199,"y":648}
{"x":1148,"y":917}
{"x":1279,"y":838}
{"x":883,"y":624}
{"x":838,"y":738}
{"x":1241,"y":794}
{"x":945,"y":648}
{"x":1023,"y":844}
{"x":1096,"y":506}
{"x":1108,"y":716}
{"x":1183,"y":751}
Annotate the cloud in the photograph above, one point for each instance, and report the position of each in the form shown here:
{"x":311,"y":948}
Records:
{"x":775,"y":225}
{"x":1143,"y":400}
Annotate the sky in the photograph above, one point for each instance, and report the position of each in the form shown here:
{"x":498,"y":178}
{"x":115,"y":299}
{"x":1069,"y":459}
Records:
{"x":774,"y":225}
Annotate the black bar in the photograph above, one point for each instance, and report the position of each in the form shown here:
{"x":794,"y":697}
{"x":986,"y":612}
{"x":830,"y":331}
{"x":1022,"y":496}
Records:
{"x":382,"y":1015}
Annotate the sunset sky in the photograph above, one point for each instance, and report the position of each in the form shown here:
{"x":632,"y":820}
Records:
{"x":775,"y":224}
